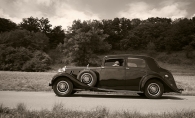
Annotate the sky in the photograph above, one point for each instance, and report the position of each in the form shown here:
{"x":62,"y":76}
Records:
{"x":64,"y":12}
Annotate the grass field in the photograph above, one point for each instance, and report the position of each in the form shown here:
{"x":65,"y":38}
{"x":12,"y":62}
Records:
{"x":25,"y":81}
{"x":59,"y":111}
{"x":38,"y":81}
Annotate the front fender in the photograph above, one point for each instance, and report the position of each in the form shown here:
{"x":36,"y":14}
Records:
{"x":165,"y":82}
{"x":75,"y":81}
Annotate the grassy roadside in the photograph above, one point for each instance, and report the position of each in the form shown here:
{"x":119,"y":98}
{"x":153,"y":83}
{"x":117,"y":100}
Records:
{"x":38,"y":81}
{"x":59,"y":111}
{"x":25,"y":81}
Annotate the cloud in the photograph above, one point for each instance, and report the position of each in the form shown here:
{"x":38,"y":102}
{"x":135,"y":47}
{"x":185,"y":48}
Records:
{"x":44,"y":2}
{"x":4,"y":15}
{"x":59,"y":12}
{"x":143,"y":10}
{"x":64,"y":12}
{"x":65,"y":15}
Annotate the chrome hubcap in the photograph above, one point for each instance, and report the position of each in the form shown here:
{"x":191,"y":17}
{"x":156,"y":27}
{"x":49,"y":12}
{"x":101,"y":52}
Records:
{"x":63,"y":87}
{"x":153,"y":89}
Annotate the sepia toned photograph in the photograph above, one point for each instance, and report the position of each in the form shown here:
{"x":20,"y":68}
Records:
{"x":97,"y":58}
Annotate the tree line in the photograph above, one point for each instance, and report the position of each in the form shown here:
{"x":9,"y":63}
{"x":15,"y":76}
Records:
{"x":24,"y":46}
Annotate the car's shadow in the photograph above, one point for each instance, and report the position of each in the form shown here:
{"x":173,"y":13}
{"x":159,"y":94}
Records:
{"x":124,"y":96}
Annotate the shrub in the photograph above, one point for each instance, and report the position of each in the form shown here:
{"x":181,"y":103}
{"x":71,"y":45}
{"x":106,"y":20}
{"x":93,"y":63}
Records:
{"x":39,"y":62}
{"x":151,"y":49}
{"x":13,"y":58}
{"x":174,"y":60}
{"x":163,"y":57}
{"x":17,"y":59}
{"x":24,"y":38}
{"x":189,"y":51}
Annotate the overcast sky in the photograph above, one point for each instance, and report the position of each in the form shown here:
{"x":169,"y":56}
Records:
{"x":63,"y":12}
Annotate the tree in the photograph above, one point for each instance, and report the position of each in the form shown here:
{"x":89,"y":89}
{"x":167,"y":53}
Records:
{"x":178,"y":35}
{"x":189,"y":49}
{"x":83,"y":46}
{"x":13,"y":58}
{"x":125,"y":27}
{"x":23,"y":38}
{"x":56,"y":36}
{"x":39,"y":62}
{"x":158,"y":20}
{"x":7,"y":25}
{"x":30,"y":24}
{"x":135,"y":22}
{"x":132,"y":41}
{"x":117,"y":30}
{"x":144,"y":32}
{"x":44,"y":25}
{"x":36,"y":25}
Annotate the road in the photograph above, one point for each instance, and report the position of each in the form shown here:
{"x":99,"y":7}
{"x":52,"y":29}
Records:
{"x":87,"y":102}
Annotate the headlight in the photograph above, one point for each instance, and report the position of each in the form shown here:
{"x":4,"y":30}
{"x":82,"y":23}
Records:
{"x":62,"y":69}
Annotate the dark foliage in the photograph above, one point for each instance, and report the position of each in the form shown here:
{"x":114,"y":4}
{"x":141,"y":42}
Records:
{"x":24,"y":38}
{"x":13,"y":58}
{"x":18,"y":50}
{"x":55,"y":35}
{"x":40,"y":62}
{"x":6,"y":25}
{"x":22,"y":59}
{"x":82,"y":46}
{"x":84,"y":40}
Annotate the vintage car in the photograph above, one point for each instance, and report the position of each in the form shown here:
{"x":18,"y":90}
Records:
{"x":117,"y":73}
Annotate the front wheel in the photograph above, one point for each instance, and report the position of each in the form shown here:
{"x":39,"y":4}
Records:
{"x":153,"y":89}
{"x":63,"y":87}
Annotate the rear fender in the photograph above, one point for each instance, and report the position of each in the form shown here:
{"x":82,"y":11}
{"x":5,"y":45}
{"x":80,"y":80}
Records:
{"x":75,"y":81}
{"x":149,"y":77}
{"x":166,"y":83}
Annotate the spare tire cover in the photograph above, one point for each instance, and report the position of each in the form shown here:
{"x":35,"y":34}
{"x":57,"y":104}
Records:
{"x":88,"y":77}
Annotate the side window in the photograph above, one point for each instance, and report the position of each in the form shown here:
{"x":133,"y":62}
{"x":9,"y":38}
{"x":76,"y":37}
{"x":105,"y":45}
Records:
{"x":114,"y":62}
{"x":135,"y":62}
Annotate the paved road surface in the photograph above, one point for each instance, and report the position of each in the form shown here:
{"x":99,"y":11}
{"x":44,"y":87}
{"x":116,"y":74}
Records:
{"x":83,"y":102}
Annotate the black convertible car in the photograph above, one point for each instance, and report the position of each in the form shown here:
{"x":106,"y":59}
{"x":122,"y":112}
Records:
{"x":118,"y":72}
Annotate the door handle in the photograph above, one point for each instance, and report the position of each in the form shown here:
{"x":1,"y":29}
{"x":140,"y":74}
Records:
{"x":127,"y":68}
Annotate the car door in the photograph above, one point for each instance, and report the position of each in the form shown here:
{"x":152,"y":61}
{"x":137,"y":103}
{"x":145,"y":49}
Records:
{"x":135,"y":70}
{"x":112,"y":77}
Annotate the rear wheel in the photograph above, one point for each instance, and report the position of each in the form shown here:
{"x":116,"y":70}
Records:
{"x":63,"y":87}
{"x":153,"y":89}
